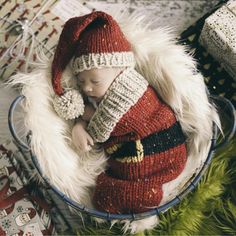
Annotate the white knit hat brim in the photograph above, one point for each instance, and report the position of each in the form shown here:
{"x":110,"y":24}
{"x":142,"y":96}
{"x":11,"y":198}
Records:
{"x":101,"y":60}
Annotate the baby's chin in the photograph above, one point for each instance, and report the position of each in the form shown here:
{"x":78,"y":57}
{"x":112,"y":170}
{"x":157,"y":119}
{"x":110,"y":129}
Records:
{"x":96,"y":99}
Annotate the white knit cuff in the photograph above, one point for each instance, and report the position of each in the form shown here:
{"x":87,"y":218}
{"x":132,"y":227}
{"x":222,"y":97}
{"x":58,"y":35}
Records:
{"x":123,"y":93}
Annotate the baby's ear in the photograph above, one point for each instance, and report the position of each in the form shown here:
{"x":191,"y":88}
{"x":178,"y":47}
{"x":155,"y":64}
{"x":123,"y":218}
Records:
{"x":69,"y":105}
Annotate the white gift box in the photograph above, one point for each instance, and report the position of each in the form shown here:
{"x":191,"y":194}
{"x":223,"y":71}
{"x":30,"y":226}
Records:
{"x":218,"y":36}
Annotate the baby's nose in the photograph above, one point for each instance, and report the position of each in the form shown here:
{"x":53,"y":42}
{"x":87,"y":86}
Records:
{"x":87,"y":88}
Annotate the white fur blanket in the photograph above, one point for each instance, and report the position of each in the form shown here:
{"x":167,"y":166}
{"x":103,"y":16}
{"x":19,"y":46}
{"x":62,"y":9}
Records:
{"x":168,"y":68}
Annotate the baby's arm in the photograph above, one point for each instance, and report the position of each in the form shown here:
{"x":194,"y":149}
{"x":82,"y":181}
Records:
{"x":80,"y":137}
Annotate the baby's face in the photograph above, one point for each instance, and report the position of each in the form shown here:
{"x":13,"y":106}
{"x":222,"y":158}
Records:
{"x":95,"y":82}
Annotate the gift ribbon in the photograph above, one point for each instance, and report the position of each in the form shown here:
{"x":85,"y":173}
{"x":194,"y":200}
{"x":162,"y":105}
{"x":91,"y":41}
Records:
{"x":6,"y":186}
{"x":21,"y":40}
{"x":7,"y":201}
{"x":21,"y":43}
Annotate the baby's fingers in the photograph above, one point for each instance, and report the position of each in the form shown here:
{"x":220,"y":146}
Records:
{"x":90,"y":141}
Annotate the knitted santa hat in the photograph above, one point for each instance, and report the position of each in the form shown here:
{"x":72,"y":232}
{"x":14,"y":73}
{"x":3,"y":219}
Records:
{"x":91,"y":41}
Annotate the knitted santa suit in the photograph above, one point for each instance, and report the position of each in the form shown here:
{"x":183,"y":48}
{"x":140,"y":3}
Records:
{"x":144,"y":141}
{"x":146,"y":146}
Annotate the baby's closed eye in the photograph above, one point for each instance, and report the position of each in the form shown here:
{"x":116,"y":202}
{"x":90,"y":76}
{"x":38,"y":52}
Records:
{"x":96,"y":81}
{"x":80,"y":81}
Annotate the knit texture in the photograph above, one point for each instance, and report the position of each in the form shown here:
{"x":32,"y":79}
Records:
{"x":147,"y":149}
{"x":70,"y":105}
{"x":123,"y":93}
{"x":101,"y":60}
{"x":94,"y":40}
{"x":91,"y":41}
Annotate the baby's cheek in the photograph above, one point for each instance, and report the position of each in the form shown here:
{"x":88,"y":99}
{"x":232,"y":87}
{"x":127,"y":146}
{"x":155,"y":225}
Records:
{"x":101,"y":92}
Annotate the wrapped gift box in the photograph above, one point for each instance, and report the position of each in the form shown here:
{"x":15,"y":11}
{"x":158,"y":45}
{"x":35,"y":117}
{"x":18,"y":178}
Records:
{"x":18,"y":215}
{"x":17,"y":37}
{"x":218,"y":36}
{"x":29,"y":176}
{"x":29,"y":28}
{"x":64,"y":219}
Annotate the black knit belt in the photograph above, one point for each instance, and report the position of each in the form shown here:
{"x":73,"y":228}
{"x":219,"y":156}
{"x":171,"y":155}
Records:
{"x":153,"y":144}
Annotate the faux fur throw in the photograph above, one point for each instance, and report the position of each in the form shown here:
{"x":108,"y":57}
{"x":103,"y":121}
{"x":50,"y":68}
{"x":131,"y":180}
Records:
{"x":168,"y":68}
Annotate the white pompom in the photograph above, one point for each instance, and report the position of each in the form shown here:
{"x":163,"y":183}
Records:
{"x":70,"y":105}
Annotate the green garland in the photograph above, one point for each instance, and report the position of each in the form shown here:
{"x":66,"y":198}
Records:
{"x":206,"y":211}
{"x":209,"y":210}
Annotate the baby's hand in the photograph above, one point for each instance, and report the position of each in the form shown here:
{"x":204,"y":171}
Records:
{"x":80,"y":137}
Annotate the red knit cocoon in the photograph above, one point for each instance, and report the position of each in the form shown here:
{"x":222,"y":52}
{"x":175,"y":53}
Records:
{"x":147,"y":149}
